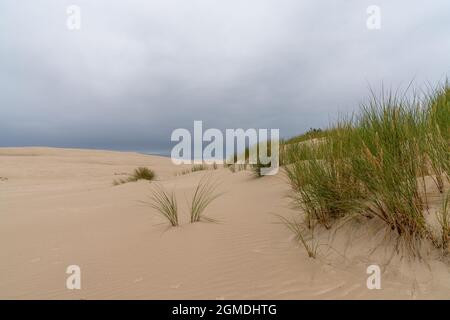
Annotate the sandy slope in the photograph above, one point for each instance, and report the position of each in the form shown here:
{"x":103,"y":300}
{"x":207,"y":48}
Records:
{"x":58,"y":207}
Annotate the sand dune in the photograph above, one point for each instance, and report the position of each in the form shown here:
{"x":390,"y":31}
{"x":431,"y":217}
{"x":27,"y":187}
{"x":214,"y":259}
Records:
{"x":58,"y":207}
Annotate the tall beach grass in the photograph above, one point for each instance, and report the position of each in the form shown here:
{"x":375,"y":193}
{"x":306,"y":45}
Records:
{"x":374,"y":164}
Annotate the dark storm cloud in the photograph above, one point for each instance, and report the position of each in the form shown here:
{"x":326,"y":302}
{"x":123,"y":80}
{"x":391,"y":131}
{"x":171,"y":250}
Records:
{"x":139,"y":69}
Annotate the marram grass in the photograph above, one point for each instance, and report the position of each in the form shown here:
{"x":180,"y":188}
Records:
{"x":204,"y":194}
{"x":373,"y":164}
{"x":141,"y":173}
{"x":165,"y":203}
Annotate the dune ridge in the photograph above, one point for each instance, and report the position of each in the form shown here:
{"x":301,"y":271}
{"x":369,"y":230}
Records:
{"x":59,"y":207}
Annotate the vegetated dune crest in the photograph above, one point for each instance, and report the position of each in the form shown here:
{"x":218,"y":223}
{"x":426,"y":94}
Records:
{"x":59,"y":207}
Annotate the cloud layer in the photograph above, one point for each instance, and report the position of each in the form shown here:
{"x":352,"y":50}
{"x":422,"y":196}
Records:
{"x":139,"y":69}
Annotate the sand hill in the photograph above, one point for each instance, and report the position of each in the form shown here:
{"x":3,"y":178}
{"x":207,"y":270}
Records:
{"x":58,"y":207}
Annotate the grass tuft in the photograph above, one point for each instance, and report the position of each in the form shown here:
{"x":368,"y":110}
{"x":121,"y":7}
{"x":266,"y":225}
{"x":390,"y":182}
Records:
{"x":444,"y":223}
{"x":165,"y":203}
{"x":141,"y":173}
{"x":204,"y":194}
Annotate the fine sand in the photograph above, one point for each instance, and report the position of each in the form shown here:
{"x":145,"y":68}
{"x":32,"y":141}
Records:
{"x":58,"y":207}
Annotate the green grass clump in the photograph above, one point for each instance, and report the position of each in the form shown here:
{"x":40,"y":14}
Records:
{"x":440,"y":109}
{"x":322,"y":179}
{"x":374,"y":164}
{"x":256,"y":167}
{"x":165,"y":203}
{"x":141,"y":173}
{"x":204,"y":194}
{"x":388,"y":160}
{"x":438,"y":121}
{"x":444,"y":223}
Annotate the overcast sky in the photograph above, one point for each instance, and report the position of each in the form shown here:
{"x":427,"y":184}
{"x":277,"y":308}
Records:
{"x":137,"y":70}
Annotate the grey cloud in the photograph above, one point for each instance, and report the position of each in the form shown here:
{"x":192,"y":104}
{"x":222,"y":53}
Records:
{"x":139,"y":69}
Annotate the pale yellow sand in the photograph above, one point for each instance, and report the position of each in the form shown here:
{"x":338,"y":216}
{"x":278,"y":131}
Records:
{"x":58,"y":207}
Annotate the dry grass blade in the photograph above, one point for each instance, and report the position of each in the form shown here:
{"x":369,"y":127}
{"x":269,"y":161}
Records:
{"x":309,"y":243}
